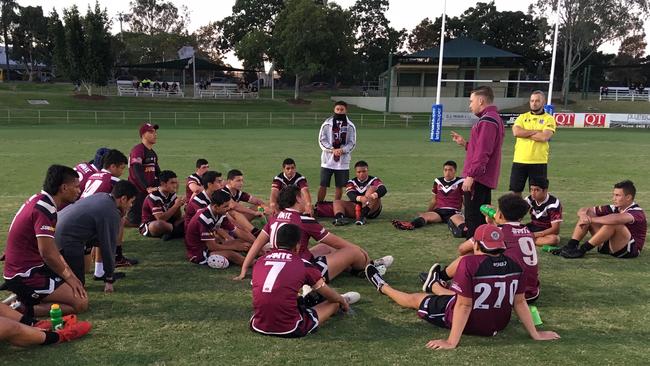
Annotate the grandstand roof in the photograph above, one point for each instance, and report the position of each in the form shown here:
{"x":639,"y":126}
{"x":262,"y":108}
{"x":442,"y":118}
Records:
{"x":465,"y":48}
{"x":183,"y":63}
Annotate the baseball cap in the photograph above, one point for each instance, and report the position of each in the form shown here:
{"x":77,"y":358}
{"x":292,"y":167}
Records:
{"x":147,"y":127}
{"x":489,"y":237}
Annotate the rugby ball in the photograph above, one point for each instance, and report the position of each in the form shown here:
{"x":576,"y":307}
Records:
{"x":218,"y":261}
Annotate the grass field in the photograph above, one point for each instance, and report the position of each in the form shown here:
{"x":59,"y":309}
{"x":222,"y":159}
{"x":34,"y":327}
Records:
{"x":169,"y":312}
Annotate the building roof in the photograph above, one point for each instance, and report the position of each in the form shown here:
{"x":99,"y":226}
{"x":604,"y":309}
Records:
{"x":465,"y":48}
{"x":184,"y":63}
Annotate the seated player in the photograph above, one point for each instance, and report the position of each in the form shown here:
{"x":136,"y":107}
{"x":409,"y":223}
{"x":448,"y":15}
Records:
{"x":545,"y":213}
{"x":618,"y":230}
{"x":332,"y":255}
{"x":277,"y":277}
{"x":205,"y":233}
{"x":193,"y":185}
{"x":289,"y":176}
{"x":161,"y":210}
{"x":519,"y":241}
{"x":364,"y":191}
{"x":114,"y":162}
{"x":34,"y":269}
{"x":445,"y":206}
{"x":241,"y":214}
{"x":480,"y":301}
{"x":85,"y":170}
{"x":17,"y":332}
{"x":211,"y":181}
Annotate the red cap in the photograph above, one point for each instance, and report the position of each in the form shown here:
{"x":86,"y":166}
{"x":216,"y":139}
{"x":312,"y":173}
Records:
{"x":489,"y":237}
{"x":147,"y":127}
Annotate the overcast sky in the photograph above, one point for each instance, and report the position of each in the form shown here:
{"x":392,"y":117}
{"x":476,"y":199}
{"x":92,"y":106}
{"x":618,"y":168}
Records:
{"x":402,"y":13}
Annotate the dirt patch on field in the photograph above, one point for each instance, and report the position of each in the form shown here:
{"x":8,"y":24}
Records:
{"x":90,"y":97}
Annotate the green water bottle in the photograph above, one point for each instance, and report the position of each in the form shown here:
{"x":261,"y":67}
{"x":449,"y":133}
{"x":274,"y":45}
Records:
{"x":263,"y":218}
{"x":534,"y":313}
{"x":56,"y":316}
{"x":488,"y":211}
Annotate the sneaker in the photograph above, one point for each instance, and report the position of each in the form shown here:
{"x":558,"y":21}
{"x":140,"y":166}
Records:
{"x":340,"y":221}
{"x":10,"y":299}
{"x":402,"y":225}
{"x":46,"y":324}
{"x":73,"y":331}
{"x":384,"y":261}
{"x":423,"y":276}
{"x":125,"y":262}
{"x":373,"y":276}
{"x":352,"y":297}
{"x":432,"y":277}
{"x":381,"y":269}
{"x":116,"y":276}
{"x":361,"y":221}
{"x":571,"y":252}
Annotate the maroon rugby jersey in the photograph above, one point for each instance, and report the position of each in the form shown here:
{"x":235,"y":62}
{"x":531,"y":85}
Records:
{"x":149,"y":161}
{"x":543,"y":214}
{"x":277,"y":278}
{"x":35,"y":218}
{"x":491,"y":283}
{"x":309,"y":228}
{"x":101,"y":182}
{"x":194,"y":178}
{"x":237,"y":196}
{"x":85,"y":170}
{"x":201,"y":228}
{"x":359,"y":188}
{"x":199,"y":201}
{"x":449,"y":194}
{"x":520,"y":244}
{"x":637,"y":228}
{"x":156,"y":203}
{"x":280,"y":181}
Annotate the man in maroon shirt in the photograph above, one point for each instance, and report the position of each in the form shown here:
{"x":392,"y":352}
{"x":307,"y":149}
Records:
{"x":161,"y":210}
{"x":277,"y":277}
{"x":483,"y":158}
{"x":143,"y":170}
{"x":204,"y":232}
{"x":193,"y":184}
{"x":486,"y":289}
{"x":34,"y":269}
{"x":618,"y":229}
{"x":445,"y":206}
{"x":240,"y":214}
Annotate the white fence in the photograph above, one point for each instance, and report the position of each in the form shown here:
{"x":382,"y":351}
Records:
{"x":201,"y":119}
{"x":622,"y":93}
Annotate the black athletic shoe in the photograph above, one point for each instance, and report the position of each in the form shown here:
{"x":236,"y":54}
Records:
{"x":125,"y":262}
{"x":373,"y":276}
{"x":571,"y":252}
{"x":432,"y":277}
{"x":361,"y":221}
{"x":340,"y":221}
{"x":423,"y":276}
{"x":116,"y":276}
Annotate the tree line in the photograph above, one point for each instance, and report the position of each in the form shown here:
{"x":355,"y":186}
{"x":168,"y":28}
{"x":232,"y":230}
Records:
{"x":314,"y":39}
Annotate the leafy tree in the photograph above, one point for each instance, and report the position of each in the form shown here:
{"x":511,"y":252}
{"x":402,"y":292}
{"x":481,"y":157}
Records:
{"x":208,"y":39}
{"x":74,"y":43}
{"x":7,"y":18}
{"x":588,"y":24}
{"x":155,"y":16}
{"x":30,"y":39}
{"x":56,"y":43}
{"x":98,"y":60}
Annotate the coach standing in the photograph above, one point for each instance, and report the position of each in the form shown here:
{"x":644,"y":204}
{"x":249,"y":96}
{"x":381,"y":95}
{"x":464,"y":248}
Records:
{"x":143,"y":170}
{"x":337,"y":139}
{"x":532,"y":130}
{"x":483,"y":157}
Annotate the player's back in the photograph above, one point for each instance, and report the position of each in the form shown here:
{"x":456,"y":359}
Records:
{"x":101,"y":182}
{"x":277,"y":278}
{"x":520,"y":244}
{"x":491,"y":282}
{"x":309,"y":228}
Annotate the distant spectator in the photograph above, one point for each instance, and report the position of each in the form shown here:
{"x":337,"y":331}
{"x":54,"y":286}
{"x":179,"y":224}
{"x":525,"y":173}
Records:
{"x":174,"y":87}
{"x":641,"y":88}
{"x":604,"y":90}
{"x":156,"y":86}
{"x":165,"y":85}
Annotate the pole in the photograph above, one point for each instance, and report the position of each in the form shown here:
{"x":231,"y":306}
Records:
{"x":390,"y":82}
{"x":194,"y":75}
{"x":436,"y":109}
{"x":272,"y":82}
{"x":550,"y":85}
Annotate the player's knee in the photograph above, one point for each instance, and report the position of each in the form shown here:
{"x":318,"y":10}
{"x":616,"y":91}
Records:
{"x":80,"y":305}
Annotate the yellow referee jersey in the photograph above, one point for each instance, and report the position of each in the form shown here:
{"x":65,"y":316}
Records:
{"x":528,"y":151}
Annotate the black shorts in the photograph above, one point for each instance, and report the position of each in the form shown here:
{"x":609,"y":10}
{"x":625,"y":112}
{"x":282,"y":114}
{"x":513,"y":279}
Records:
{"x":446,"y":213}
{"x":135,"y":213}
{"x":320,"y":263}
{"x":534,"y":228}
{"x":522,"y":172}
{"x":433,"y":307}
{"x":375,"y":213}
{"x":308,"y":324}
{"x":341,"y":177}
{"x":631,"y":250}
{"x":144,"y":230}
{"x":40,"y":283}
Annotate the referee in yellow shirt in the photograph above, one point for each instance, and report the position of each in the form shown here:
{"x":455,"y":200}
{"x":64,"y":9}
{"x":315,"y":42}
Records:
{"x":532,"y":131}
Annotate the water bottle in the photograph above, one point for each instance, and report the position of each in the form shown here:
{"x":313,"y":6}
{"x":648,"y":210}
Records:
{"x":263,"y":218}
{"x":56,"y":317}
{"x":357,"y":212}
{"x":488,"y":211}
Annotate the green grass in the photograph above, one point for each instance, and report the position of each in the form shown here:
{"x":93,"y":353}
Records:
{"x":170,"y":312}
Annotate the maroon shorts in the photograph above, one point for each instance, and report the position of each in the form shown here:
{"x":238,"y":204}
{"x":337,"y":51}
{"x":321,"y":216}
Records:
{"x":308,"y":324}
